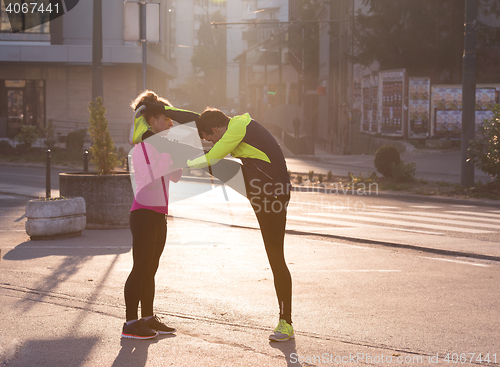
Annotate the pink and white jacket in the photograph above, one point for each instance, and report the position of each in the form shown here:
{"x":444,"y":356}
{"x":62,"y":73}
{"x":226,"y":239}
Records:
{"x":152,"y":173}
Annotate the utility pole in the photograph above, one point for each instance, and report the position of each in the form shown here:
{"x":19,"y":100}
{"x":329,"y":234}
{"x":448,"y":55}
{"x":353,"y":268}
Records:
{"x":468,"y":92}
{"x":351,"y":97}
{"x":97,"y":82}
{"x":144,"y":45}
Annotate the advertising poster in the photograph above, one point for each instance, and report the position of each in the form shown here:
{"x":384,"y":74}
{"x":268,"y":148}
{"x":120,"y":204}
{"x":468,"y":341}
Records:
{"x":449,"y":123}
{"x":391,"y":106}
{"x":366,"y":104}
{"x":447,"y":108}
{"x":374,"y":126}
{"x":419,"y":90}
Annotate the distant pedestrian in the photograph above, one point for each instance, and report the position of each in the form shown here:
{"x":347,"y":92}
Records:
{"x":152,"y":173}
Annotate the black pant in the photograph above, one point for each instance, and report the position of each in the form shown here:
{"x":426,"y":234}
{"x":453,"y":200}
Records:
{"x":271,"y":215}
{"x":149,"y":233}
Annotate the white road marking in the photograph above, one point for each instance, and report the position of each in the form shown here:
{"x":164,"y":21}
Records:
{"x":342,"y":244}
{"x":451,"y":216}
{"x":432,"y":220}
{"x":354,"y":224}
{"x":383,"y":207}
{"x":366,"y":271}
{"x":456,"y":261}
{"x":485,"y":214}
{"x":8,"y":197}
{"x":357,"y":218}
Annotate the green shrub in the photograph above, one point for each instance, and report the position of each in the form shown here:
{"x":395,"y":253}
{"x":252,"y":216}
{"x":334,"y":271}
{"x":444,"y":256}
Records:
{"x":75,"y":141}
{"x":385,"y":156}
{"x":329,"y":176}
{"x":404,"y":172}
{"x":50,"y":136}
{"x":299,"y":179}
{"x":320,"y":178}
{"x":311,"y":176}
{"x":102,"y":151}
{"x":28,"y":135}
{"x":485,"y":150}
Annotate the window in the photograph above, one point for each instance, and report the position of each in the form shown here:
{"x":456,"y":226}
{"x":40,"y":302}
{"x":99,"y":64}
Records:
{"x":22,"y":102}
{"x":218,"y":3}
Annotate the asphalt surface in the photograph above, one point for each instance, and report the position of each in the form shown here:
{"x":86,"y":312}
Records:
{"x":365,"y":293}
{"x":62,"y":301}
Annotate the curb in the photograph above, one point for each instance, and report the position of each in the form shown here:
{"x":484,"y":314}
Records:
{"x":403,"y":246}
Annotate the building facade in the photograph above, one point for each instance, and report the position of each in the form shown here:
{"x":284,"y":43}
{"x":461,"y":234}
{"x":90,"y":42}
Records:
{"x":46,"y":71}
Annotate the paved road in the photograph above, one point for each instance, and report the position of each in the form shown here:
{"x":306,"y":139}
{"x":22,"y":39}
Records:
{"x":351,"y":299}
{"x":382,"y":281}
{"x":408,"y":221}
{"x":29,"y":179}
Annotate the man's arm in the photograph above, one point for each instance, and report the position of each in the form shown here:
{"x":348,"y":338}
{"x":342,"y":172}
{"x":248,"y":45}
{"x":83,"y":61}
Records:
{"x":232,"y":137}
{"x":181,"y":116}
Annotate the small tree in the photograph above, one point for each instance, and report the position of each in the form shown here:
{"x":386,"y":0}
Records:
{"x":102,"y":151}
{"x":485,"y":151}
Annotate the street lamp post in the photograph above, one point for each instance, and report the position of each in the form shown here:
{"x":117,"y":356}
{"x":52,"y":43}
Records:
{"x":97,"y":83}
{"x":468,"y":92}
{"x":144,"y":45}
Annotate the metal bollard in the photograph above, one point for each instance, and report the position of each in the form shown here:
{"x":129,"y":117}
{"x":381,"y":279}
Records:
{"x":85,"y":161}
{"x":47,"y":174}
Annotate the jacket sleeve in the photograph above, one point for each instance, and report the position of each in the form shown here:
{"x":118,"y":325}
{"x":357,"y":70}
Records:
{"x":232,"y":137}
{"x":181,"y":116}
{"x":176,"y":175}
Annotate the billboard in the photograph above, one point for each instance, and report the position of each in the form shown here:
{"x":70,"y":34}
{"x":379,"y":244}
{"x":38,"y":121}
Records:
{"x":419,"y":95}
{"x":446,"y":110}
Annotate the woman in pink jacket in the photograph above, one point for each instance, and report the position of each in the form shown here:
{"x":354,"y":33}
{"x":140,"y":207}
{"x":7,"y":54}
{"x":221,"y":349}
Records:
{"x":151,"y":172}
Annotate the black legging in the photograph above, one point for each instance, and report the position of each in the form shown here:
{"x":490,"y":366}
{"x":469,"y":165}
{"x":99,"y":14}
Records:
{"x":149,"y":233}
{"x":271,"y":215}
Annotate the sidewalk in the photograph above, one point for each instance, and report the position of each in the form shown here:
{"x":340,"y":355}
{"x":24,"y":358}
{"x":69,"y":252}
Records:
{"x":431,"y":165}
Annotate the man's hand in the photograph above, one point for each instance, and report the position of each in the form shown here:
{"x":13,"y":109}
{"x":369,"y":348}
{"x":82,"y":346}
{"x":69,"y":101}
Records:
{"x":153,"y":108}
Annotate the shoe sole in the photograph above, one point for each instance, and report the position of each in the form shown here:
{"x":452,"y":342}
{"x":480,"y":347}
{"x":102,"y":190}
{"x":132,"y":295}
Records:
{"x":130,"y":336}
{"x":165,"y":332}
{"x":281,"y":340}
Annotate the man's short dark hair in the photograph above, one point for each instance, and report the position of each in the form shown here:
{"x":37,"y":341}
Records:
{"x":211,"y":117}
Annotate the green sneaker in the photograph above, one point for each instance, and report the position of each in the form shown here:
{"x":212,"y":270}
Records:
{"x":283,"y":332}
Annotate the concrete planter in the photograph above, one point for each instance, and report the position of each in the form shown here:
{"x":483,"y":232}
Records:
{"x":108,"y":198}
{"x":49,"y":219}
